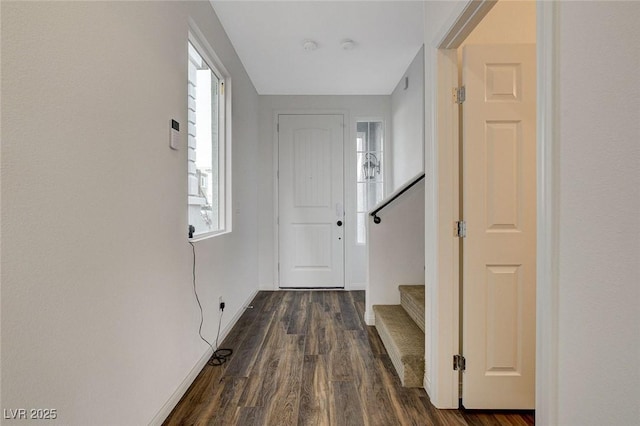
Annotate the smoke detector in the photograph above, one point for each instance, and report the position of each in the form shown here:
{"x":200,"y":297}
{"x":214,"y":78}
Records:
{"x":347,"y":44}
{"x":309,"y":45}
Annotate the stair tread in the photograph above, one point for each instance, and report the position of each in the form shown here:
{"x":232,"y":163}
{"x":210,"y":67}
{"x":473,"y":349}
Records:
{"x":416,"y":292}
{"x":412,"y":300}
{"x":406,"y":335}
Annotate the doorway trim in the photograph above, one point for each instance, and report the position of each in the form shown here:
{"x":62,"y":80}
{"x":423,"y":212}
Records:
{"x":441,"y":382}
{"x":548,"y":213}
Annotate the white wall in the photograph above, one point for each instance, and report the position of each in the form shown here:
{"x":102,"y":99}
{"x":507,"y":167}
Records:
{"x":354,"y":108}
{"x":99,"y":319}
{"x":396,"y":249}
{"x":407,"y":140}
{"x":599,"y":188}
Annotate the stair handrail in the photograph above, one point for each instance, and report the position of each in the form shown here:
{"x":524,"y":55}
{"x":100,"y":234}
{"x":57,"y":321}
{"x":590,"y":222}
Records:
{"x":393,"y":196}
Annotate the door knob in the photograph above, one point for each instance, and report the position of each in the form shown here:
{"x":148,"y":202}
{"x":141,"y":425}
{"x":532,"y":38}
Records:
{"x":339,"y":223}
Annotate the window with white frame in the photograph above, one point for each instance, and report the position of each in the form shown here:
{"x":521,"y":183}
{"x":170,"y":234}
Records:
{"x":370,"y":172}
{"x":207,"y":145}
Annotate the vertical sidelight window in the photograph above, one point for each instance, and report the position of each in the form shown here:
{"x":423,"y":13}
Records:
{"x":370,"y":172}
{"x":207,"y":145}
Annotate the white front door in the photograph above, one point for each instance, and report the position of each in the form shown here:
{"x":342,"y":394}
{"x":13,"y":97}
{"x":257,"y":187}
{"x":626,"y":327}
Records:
{"x":310,"y":201}
{"x":499,"y":207}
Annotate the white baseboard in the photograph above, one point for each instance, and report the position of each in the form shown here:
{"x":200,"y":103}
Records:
{"x":236,"y":317}
{"x":426,"y":383}
{"x":166,"y":409}
{"x":370,"y":317}
{"x":357,"y":286}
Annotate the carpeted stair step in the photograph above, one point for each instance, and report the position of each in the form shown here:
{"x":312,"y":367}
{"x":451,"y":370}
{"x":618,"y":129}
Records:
{"x":404,"y":342}
{"x":412,"y":300}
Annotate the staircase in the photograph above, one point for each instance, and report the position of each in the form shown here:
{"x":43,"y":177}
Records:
{"x":401,"y":329}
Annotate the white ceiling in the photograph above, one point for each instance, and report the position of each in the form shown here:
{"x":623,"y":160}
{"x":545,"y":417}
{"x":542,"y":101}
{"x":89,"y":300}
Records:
{"x":269,"y":35}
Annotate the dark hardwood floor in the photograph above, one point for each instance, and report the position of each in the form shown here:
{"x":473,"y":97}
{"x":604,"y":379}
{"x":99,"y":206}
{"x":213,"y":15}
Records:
{"x":308,"y":358}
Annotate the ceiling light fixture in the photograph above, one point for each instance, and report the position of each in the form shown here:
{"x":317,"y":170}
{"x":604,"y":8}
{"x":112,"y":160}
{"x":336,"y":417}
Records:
{"x":309,"y":45}
{"x":347,"y":44}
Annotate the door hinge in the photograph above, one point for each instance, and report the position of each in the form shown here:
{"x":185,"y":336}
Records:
{"x":459,"y":95}
{"x":461,"y":229}
{"x":278,"y":127}
{"x":459,"y":363}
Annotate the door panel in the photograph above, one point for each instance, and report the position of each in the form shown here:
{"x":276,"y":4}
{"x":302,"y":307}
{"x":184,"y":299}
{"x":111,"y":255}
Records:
{"x":504,"y":289}
{"x":504,"y":148}
{"x":499,"y":201}
{"x":310,"y":190}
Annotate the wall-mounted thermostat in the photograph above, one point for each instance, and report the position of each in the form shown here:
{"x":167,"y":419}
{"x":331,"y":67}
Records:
{"x":174,"y":141}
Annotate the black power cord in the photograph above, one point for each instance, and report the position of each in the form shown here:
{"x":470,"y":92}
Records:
{"x":218,"y":356}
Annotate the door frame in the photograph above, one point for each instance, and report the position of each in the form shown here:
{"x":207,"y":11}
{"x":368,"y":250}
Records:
{"x":276,"y":189}
{"x":441,"y":151}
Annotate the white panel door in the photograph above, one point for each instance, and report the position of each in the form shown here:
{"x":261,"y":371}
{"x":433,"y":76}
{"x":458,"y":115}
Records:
{"x":310,"y":201}
{"x":499,"y":207}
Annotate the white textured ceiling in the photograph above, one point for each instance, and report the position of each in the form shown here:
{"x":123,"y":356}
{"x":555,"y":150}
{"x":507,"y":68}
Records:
{"x":268,"y":37}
